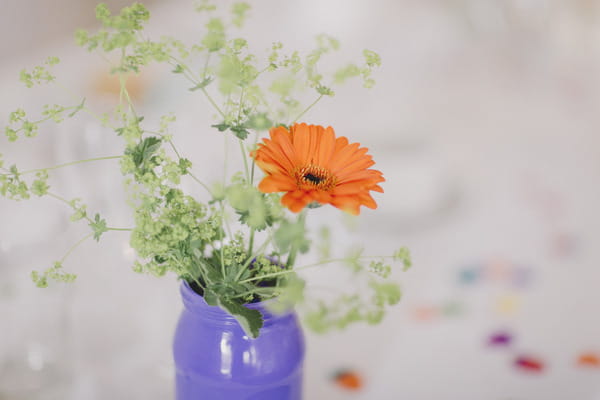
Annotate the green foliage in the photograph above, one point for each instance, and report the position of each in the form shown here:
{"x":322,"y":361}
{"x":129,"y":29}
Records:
{"x":40,"y":187}
{"x":372,"y":60}
{"x":214,"y":40}
{"x":250,"y":320}
{"x":80,"y":210}
{"x":403,"y":255}
{"x":98,"y":225}
{"x":191,"y":237}
{"x":291,"y":235}
{"x":239,"y":11}
{"x":19,"y":123}
{"x":54,"y":273}
{"x":40,"y":74}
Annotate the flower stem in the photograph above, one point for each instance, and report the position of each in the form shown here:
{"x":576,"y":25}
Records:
{"x":294,"y":251}
{"x":79,"y":242}
{"x":307,"y":109}
{"x":250,"y":258}
{"x":69,"y":164}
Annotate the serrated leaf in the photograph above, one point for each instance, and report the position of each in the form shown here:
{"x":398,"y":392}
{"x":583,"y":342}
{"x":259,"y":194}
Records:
{"x":143,"y":152}
{"x":222,"y":127}
{"x":240,"y":131}
{"x":250,"y":320}
{"x":78,"y":108}
{"x":98,"y":226}
{"x":205,"y":82}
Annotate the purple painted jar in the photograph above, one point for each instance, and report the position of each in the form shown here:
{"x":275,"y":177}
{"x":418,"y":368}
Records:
{"x":216,"y":360}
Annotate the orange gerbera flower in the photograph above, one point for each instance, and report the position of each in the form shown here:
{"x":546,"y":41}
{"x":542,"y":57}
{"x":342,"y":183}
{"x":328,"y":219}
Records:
{"x":312,"y":165}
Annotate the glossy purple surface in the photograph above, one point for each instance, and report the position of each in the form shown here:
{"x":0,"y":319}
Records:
{"x":215,"y":360}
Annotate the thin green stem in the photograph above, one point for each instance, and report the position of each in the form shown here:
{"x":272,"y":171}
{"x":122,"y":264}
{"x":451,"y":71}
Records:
{"x":294,"y":251}
{"x":67,"y":202}
{"x":63,"y":200}
{"x":288,"y":271}
{"x":205,"y":70}
{"x":210,"y":99}
{"x":251,"y":258}
{"x":84,"y":108}
{"x":69,"y":164}
{"x":307,"y":109}
{"x":245,"y":158}
{"x":222,"y":240}
{"x":271,"y":275}
{"x":79,"y":242}
{"x":251,"y":240}
{"x":119,"y":229}
{"x":179,"y":158}
{"x":189,"y":74}
{"x":253,"y":162}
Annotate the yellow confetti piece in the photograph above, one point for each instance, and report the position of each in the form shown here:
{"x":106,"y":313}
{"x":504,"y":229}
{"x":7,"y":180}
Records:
{"x":507,"y":304}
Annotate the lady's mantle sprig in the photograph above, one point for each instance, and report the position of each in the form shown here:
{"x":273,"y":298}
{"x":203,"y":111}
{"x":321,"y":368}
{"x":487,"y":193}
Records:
{"x":252,"y":257}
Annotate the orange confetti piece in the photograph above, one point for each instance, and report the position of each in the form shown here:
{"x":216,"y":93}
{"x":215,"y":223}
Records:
{"x":425,"y":313}
{"x":348,"y":379}
{"x":589,"y":360}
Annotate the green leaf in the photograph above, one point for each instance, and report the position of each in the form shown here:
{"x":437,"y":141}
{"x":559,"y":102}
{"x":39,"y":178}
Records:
{"x":142,"y":154}
{"x":250,"y":320}
{"x":291,"y":234}
{"x":240,"y":131}
{"x":325,"y":91}
{"x":222,"y":127}
{"x":205,"y":82}
{"x":403,"y":254}
{"x":259,"y":122}
{"x":78,"y":108}
{"x":386,"y":293}
{"x":98,"y":226}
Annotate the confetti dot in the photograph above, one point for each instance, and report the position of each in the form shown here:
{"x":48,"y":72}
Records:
{"x":508,"y":304}
{"x":564,"y":245}
{"x":498,"y":270}
{"x":589,"y":360}
{"x":348,"y":379}
{"x":500,"y":339}
{"x":452,"y":309}
{"x":522,"y":277}
{"x":529,"y":364}
{"x":425,"y":313}
{"x":469,"y":275}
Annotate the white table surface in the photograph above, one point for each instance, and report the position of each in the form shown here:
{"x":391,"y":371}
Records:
{"x":488,"y":136}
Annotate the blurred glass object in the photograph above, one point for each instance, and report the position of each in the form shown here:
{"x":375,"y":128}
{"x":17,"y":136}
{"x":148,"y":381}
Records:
{"x":420,"y":189}
{"x":34,"y":339}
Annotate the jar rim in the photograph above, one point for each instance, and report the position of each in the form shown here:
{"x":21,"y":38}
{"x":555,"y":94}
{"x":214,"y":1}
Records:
{"x":196,"y":304}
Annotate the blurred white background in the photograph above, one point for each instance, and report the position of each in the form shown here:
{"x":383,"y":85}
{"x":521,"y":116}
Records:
{"x":485,"y":122}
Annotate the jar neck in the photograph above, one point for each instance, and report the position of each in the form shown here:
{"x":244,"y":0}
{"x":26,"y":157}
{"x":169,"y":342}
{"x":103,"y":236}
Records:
{"x":195,"y":304}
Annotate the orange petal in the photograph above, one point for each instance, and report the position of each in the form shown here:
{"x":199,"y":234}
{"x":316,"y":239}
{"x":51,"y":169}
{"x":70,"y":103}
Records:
{"x":282,"y":138}
{"x":349,"y":204}
{"x":326,"y":148}
{"x":301,"y":139}
{"x":342,"y":157}
{"x":276,"y":183}
{"x":295,"y":201}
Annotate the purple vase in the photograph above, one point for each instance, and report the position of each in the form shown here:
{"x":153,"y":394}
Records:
{"x":216,"y":360}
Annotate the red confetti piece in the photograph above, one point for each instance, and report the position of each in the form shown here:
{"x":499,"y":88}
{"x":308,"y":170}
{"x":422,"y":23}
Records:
{"x":589,"y":360}
{"x":530,"y":364}
{"x":349,"y":379}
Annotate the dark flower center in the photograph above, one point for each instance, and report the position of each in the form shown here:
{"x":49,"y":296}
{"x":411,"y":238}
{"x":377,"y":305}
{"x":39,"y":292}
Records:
{"x":314,"y":179}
